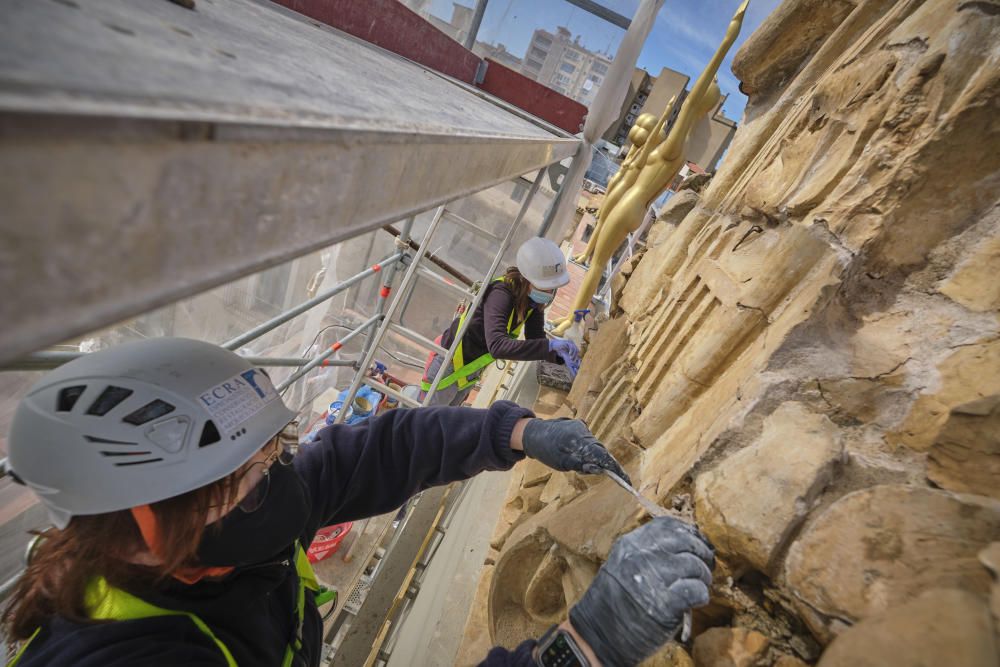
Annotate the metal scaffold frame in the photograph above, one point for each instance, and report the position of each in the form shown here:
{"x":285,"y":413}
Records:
{"x":392,"y":299}
{"x":417,"y":270}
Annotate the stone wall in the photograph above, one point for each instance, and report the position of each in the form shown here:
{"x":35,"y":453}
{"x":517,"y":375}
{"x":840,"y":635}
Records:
{"x":806,"y":360}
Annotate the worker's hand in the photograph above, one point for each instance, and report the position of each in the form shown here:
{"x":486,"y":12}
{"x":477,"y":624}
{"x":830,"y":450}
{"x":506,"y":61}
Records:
{"x":568,"y":352}
{"x":567,"y":444}
{"x":637,"y":601}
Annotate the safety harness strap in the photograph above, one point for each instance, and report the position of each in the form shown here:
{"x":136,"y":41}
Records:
{"x":463,"y":370}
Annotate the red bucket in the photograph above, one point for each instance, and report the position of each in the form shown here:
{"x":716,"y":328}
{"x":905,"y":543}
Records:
{"x":327,"y":541}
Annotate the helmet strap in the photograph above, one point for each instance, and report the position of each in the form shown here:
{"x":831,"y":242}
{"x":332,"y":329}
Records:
{"x":149,"y":528}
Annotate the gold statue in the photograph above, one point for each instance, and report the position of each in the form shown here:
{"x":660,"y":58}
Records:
{"x":645,"y":135}
{"x":622,"y":216}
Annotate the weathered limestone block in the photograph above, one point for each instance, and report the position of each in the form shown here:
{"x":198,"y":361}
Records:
{"x":729,"y":647}
{"x":769,"y":59}
{"x":975,"y":284}
{"x":966,"y":455}
{"x":990,"y":558}
{"x":652,"y":278}
{"x":882,"y":546}
{"x":559,"y":487}
{"x":675,"y":210}
{"x":589,"y":528}
{"x":751,"y":503}
{"x":789,"y":661}
{"x":606,"y":346}
{"x":968,"y":374}
{"x":939,"y":627}
{"x":671,"y":655}
{"x":841,"y":258}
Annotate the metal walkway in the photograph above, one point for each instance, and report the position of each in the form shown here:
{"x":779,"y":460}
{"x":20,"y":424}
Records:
{"x":151,"y":152}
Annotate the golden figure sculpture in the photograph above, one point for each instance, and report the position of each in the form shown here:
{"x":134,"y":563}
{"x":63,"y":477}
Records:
{"x":623,"y":216}
{"x":646,"y":135}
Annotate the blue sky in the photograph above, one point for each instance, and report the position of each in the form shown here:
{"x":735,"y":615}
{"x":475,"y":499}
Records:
{"x":685,"y":35}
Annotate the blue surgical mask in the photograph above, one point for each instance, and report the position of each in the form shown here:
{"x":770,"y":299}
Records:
{"x":540,"y":297}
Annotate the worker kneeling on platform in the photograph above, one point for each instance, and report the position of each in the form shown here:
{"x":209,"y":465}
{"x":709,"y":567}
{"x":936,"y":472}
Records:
{"x":180,"y":505}
{"x":512,"y":303}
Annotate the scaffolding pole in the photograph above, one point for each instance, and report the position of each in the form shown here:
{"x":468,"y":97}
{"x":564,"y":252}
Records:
{"x":49,"y":359}
{"x":408,"y":278}
{"x":446,"y":362}
{"x":402,"y":241}
{"x":322,"y":360}
{"x":389,"y":262}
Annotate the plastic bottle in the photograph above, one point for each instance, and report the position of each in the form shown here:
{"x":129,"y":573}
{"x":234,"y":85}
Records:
{"x":575,"y":331}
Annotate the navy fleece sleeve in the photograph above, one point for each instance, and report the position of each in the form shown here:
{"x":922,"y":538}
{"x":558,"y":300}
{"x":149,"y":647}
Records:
{"x":375,"y":466}
{"x":519,"y":657}
{"x":497,"y":307}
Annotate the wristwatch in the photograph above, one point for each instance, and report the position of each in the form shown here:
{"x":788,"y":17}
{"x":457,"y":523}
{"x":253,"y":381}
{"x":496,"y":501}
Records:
{"x":557,"y":648}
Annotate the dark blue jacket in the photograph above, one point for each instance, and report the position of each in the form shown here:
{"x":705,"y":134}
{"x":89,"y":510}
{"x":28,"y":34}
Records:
{"x":352,"y":472}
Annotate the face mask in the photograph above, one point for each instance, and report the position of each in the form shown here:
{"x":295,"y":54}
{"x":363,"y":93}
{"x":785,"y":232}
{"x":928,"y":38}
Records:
{"x":541,"y":298}
{"x":240,"y":539}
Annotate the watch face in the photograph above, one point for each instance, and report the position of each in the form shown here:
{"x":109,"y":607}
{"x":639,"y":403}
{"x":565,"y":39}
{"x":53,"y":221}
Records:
{"x":561,"y":651}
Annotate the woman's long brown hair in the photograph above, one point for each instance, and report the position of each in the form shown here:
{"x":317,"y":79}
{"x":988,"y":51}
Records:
{"x":65,"y":561}
{"x":521,"y":288}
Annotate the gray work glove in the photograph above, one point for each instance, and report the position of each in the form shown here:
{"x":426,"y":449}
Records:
{"x":567,"y":444}
{"x":637,"y":601}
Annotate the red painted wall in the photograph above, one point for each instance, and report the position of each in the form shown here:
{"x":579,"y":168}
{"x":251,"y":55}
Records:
{"x":533,"y":97}
{"x":387,"y":23}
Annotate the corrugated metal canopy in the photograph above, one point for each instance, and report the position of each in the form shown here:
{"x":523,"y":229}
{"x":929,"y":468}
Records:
{"x":150,"y":152}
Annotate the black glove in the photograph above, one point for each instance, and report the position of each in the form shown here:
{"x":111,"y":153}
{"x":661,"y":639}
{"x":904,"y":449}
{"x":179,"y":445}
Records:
{"x":566,"y":444}
{"x":637,"y":601}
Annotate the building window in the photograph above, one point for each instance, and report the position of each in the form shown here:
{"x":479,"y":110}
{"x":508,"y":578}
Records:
{"x":566,"y":67}
{"x":572,"y":55}
{"x":543,"y":41}
{"x":537,"y":53}
{"x":560,"y":79}
{"x":532,"y":64}
{"x":599,"y":68}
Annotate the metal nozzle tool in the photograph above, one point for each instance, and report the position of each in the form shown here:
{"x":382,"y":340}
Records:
{"x":647,"y":504}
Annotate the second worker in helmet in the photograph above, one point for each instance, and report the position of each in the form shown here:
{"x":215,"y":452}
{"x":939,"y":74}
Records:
{"x":512,"y":303}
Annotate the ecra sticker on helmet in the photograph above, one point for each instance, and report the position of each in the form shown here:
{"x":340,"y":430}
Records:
{"x":238,"y":399}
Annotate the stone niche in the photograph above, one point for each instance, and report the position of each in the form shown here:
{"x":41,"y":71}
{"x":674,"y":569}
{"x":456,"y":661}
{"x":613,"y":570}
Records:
{"x":806,"y":359}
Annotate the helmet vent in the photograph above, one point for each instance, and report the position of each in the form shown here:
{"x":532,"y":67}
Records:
{"x":138,"y":463}
{"x":109,"y":398}
{"x":68,"y":397}
{"x":209,"y":434}
{"x":106,"y":441}
{"x":149,"y":412}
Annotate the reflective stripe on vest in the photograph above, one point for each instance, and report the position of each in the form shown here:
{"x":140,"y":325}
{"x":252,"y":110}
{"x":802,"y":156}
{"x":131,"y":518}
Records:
{"x":113,"y":604}
{"x":463,"y":370}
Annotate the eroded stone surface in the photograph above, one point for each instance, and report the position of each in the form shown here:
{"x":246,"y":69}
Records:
{"x":671,"y":655}
{"x":750,"y":504}
{"x":880,"y":547}
{"x":939,"y":627}
{"x":966,"y":454}
{"x":729,"y":647}
{"x":840,"y":259}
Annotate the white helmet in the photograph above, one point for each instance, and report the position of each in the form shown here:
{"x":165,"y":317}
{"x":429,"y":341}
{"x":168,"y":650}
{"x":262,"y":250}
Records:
{"x":139,"y":423}
{"x":542,"y":263}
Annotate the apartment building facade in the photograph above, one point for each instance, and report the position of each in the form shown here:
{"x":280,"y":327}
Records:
{"x":559,"y":61}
